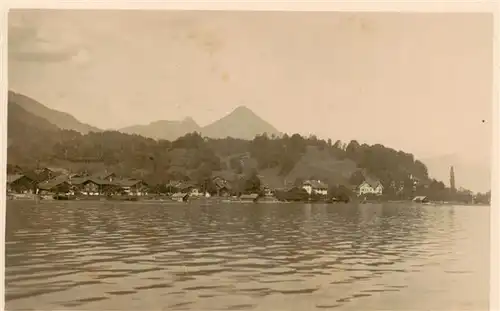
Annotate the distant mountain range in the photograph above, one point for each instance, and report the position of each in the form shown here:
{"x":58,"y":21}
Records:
{"x":241,"y":123}
{"x":169,"y":130}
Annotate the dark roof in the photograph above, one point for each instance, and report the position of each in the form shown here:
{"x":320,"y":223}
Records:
{"x":100,"y":181}
{"x":79,"y":180}
{"x":36,"y":175}
{"x":97,"y":181}
{"x":54,"y":182}
{"x":374,"y":183}
{"x":128,"y":182}
{"x":221,"y":183}
{"x":14,"y":177}
{"x":371,"y":182}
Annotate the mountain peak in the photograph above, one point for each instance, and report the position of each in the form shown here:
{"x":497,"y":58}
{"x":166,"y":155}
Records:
{"x":243,"y":110}
{"x":241,"y":123}
{"x":189,"y":120}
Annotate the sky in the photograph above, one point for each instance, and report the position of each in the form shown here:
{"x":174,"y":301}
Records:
{"x":420,"y":82}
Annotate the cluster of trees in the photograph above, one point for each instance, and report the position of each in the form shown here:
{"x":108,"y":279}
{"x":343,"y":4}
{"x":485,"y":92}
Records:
{"x":483,"y":198}
{"x":244,"y":184}
{"x":383,"y":163}
{"x":387,"y":164}
{"x":193,"y":157}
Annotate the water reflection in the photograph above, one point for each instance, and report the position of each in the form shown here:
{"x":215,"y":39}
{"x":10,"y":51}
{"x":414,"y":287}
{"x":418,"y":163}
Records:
{"x":144,"y":256}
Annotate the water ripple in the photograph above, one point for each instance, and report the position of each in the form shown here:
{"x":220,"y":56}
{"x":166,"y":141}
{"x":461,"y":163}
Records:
{"x":96,"y":256}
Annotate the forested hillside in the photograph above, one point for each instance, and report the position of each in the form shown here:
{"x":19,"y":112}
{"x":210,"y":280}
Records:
{"x":278,"y":161}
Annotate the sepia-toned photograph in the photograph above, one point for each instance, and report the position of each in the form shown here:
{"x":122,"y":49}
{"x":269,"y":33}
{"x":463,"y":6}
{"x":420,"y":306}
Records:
{"x":248,"y":160}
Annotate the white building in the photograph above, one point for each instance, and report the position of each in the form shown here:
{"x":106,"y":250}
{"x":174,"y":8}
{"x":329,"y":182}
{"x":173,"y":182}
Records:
{"x":374,"y":187}
{"x":315,"y":187}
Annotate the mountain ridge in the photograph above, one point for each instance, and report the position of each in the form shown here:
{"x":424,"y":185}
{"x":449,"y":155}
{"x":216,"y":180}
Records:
{"x":241,"y":123}
{"x":163,"y":129}
{"x":60,"y":119}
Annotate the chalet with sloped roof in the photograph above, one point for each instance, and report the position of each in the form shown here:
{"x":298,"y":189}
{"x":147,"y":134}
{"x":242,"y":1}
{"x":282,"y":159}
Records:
{"x":59,"y":184}
{"x":105,"y":175}
{"x":132,"y":186}
{"x":369,"y":186}
{"x":223,"y":186}
{"x":20,"y":183}
{"x":315,"y":187}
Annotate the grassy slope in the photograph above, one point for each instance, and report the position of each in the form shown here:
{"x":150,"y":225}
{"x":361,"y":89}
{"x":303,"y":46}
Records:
{"x":314,"y":163}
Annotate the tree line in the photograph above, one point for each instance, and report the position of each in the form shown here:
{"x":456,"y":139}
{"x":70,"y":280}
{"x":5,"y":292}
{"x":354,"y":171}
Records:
{"x":194,"y":158}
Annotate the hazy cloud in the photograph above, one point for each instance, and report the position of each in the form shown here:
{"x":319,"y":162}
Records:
{"x":28,"y":41}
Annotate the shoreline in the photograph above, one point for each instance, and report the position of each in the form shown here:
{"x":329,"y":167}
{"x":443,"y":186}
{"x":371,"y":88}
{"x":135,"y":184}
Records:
{"x":221,"y":200}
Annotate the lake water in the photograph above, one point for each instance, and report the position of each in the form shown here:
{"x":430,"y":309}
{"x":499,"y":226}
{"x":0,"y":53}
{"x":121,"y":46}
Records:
{"x":141,"y":256}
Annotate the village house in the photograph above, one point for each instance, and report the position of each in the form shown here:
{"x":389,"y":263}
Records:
{"x":315,"y":187}
{"x":58,"y":184}
{"x":370,"y":187}
{"x":107,"y":176}
{"x":183,"y":187}
{"x":19,"y":183}
{"x":222,"y":186}
{"x":91,"y":186}
{"x":132,"y":186}
{"x":40,"y":174}
{"x":108,"y":184}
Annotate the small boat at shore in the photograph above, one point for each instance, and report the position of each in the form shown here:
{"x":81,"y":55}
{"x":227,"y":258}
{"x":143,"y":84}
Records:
{"x":421,"y":199}
{"x":180,"y":197}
